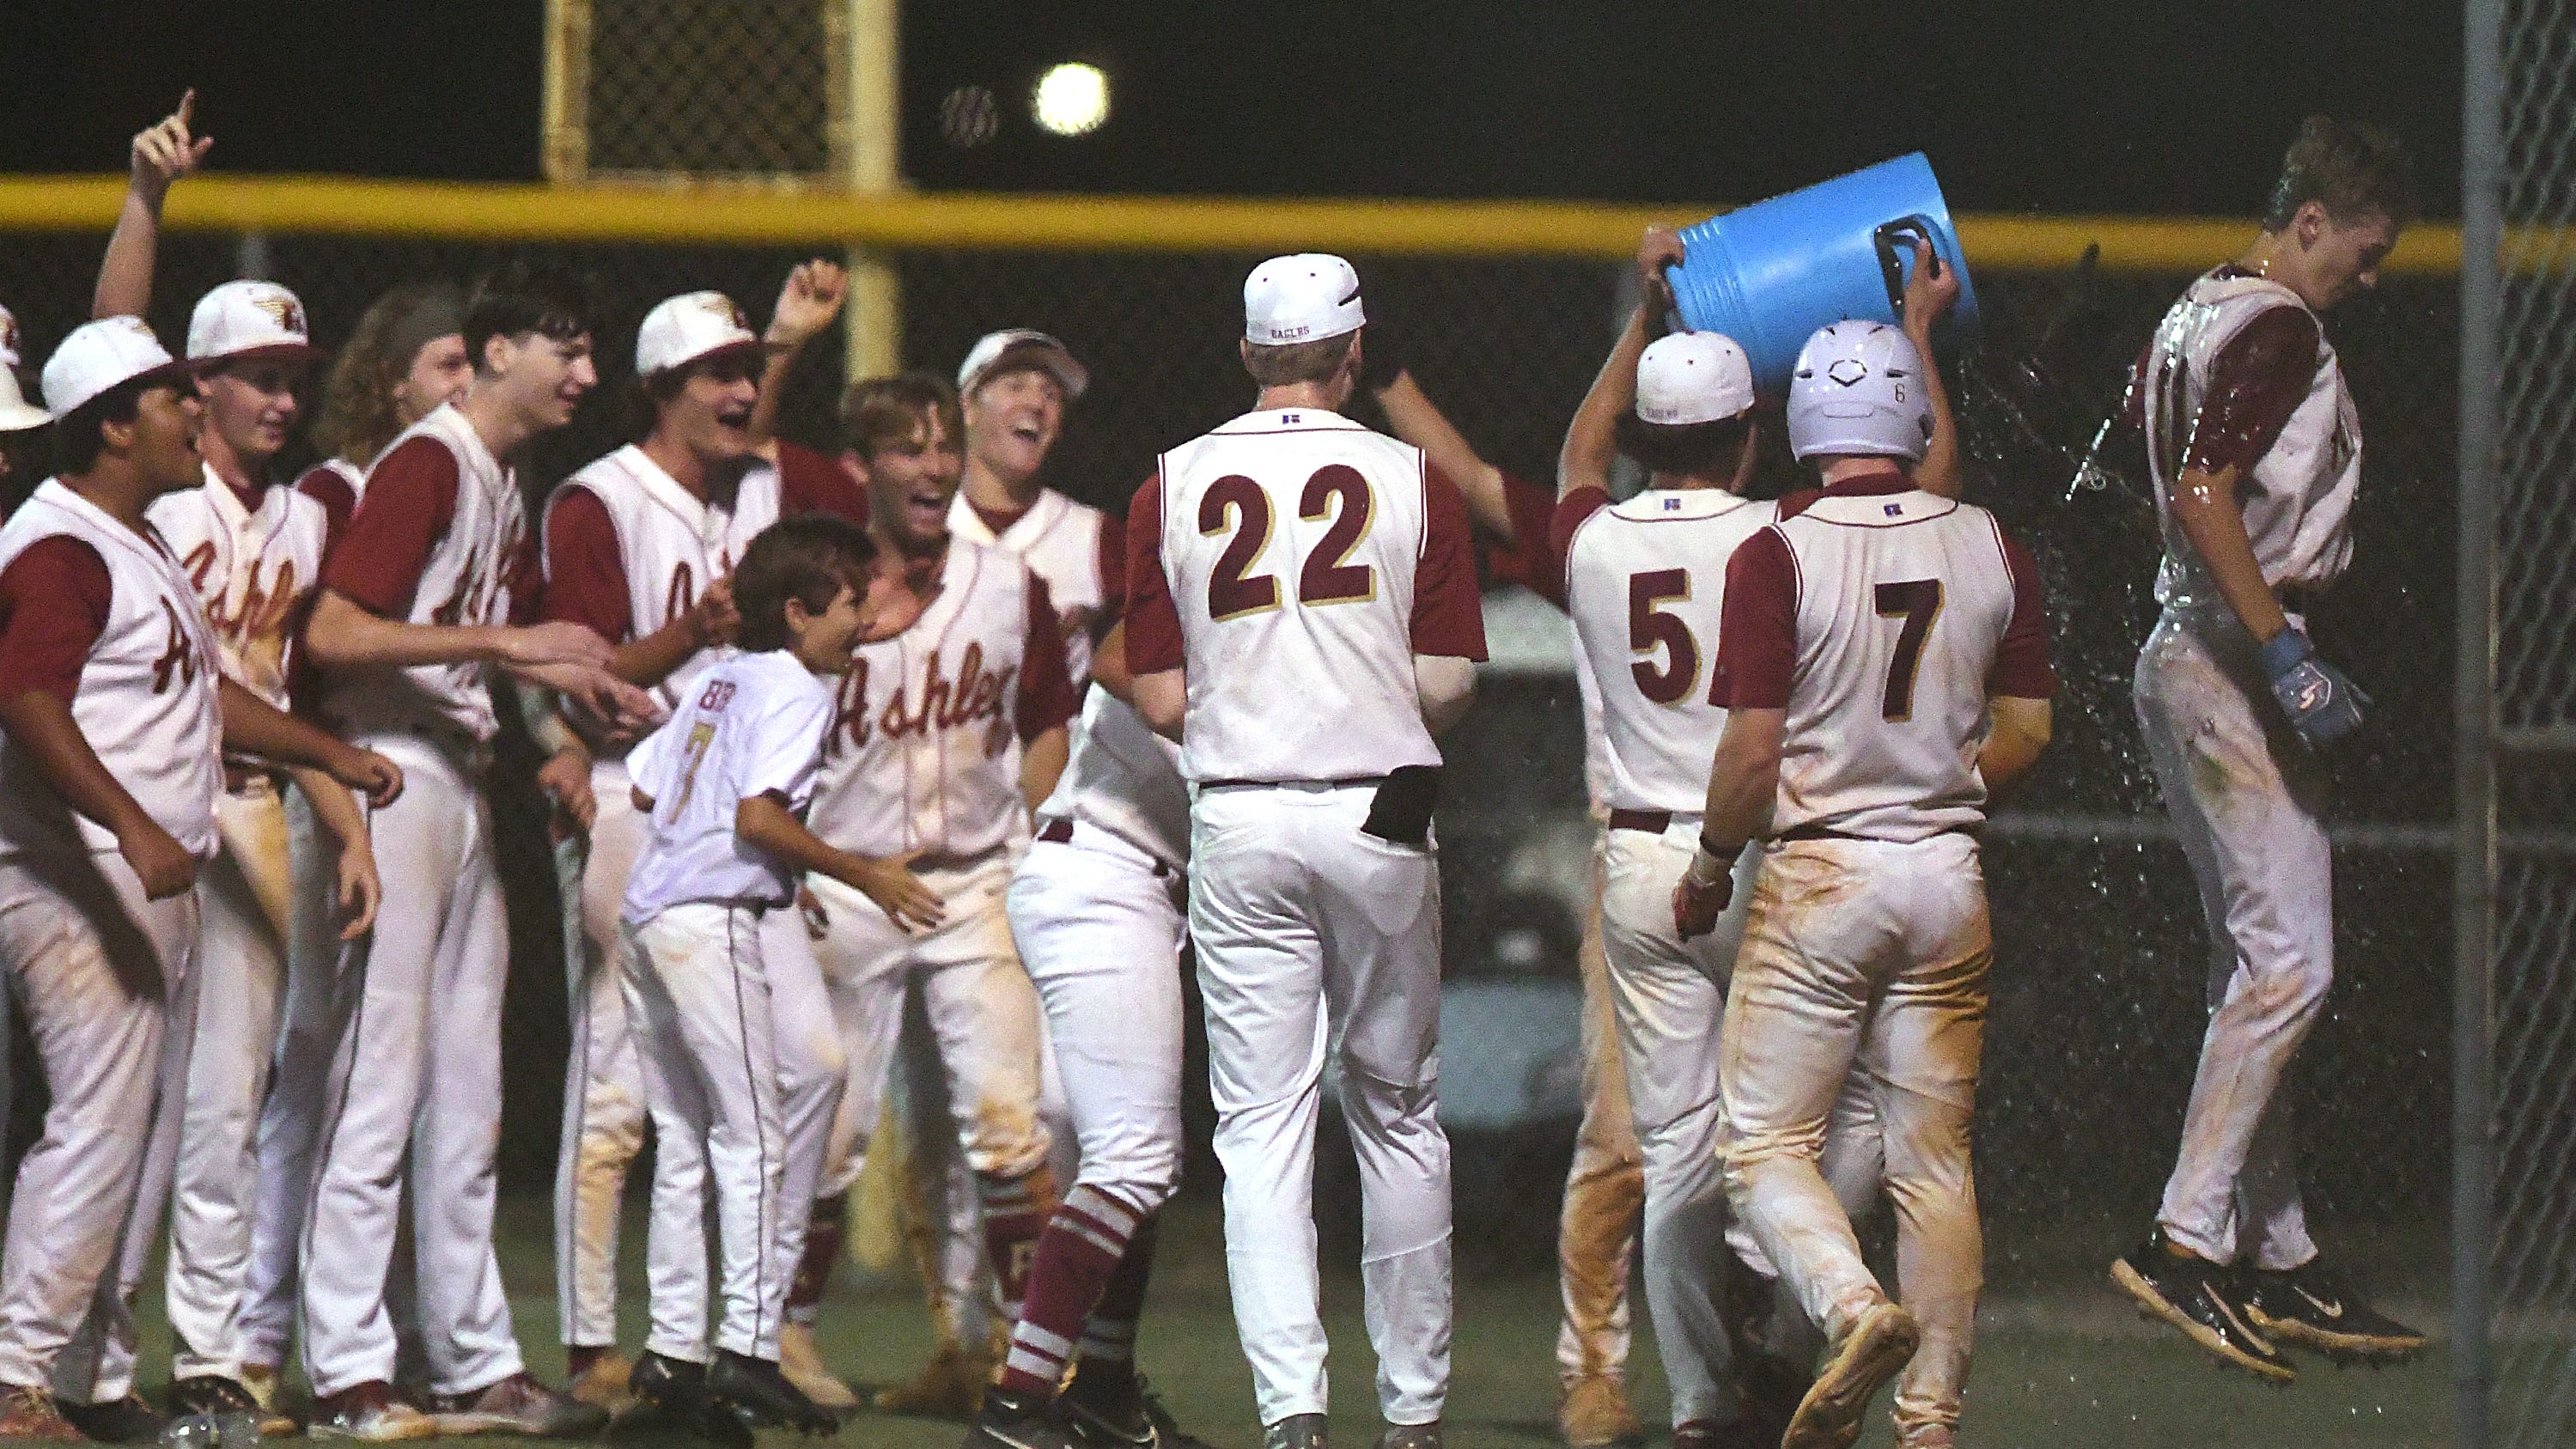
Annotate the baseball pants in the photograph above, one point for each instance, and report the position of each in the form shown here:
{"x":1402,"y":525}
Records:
{"x":1669,"y":999}
{"x":427,"y":1032}
{"x":604,"y":1109}
{"x":1596,"y":1234}
{"x":743,"y":1087}
{"x":96,"y":971}
{"x":1864,"y":958}
{"x":2248,"y":803}
{"x":1311,"y":933}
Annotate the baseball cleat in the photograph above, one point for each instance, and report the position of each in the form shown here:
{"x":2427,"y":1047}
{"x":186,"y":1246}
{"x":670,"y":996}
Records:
{"x":2312,"y":1305}
{"x":802,"y":1362}
{"x":949,"y":1386}
{"x":128,"y":1420}
{"x":2200,"y":1298}
{"x":213,"y":1394}
{"x":669,"y":1396}
{"x":370,"y":1413}
{"x":754,"y":1391}
{"x":29,"y":1412}
{"x":1016,"y":1421}
{"x":1878,"y":1344}
{"x":1594,"y":1413}
{"x":1297,"y":1431}
{"x":1109,"y":1409}
{"x":517,"y":1405}
{"x":1410,"y":1436}
{"x":603,"y":1382}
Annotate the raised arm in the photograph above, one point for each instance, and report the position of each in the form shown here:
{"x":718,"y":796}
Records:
{"x":1928,"y":298}
{"x":162,"y":154}
{"x":807,"y":304}
{"x":1414,"y":417}
{"x":1591,"y":440}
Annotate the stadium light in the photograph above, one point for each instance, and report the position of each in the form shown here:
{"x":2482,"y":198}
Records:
{"x":1072,"y":99}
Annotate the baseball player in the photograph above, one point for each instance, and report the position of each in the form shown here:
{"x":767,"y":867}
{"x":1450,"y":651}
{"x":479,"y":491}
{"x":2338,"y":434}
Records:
{"x":19,"y":419}
{"x":2256,"y":452}
{"x":117,"y":718}
{"x":921,"y":770}
{"x":1304,"y":618}
{"x":639,"y":547}
{"x":415,"y":597}
{"x":724,"y":786}
{"x":405,"y":358}
{"x":1883,"y":661}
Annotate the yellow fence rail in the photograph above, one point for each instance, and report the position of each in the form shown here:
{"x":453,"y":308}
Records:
{"x":764,"y":215}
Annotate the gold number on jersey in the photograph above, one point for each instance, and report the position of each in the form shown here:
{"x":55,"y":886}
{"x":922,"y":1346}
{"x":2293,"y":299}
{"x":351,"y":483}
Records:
{"x":1649,"y":627}
{"x":701,"y":735}
{"x":1918,"y":602}
{"x":1337,"y":491}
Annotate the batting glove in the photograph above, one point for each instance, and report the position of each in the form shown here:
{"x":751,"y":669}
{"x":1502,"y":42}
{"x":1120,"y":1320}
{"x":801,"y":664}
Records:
{"x":2323,"y":704}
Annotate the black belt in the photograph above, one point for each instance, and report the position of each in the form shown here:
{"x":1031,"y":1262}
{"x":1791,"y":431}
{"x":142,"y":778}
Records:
{"x":1290,"y":784}
{"x":1060,"y":832}
{"x":1653,"y":822}
{"x":1827,"y":832}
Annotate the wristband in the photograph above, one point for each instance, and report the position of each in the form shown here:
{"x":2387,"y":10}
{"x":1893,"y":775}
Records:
{"x":1713,"y":863}
{"x":2285,"y":651}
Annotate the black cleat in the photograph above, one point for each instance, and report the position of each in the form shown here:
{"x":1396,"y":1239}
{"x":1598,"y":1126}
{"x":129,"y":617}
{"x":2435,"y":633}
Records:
{"x":1297,"y":1431}
{"x":128,"y":1420}
{"x":754,"y":1391}
{"x":1010,"y":1420}
{"x":1107,"y":1409}
{"x":670,"y":1397}
{"x":1410,"y":1436}
{"x":2312,"y":1305}
{"x":2200,"y":1298}
{"x":215,"y":1396}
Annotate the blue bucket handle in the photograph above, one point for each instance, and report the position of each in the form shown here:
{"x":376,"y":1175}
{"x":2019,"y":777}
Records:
{"x":1891,"y":266}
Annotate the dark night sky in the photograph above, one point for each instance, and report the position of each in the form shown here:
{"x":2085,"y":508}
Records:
{"x":2060,"y":107}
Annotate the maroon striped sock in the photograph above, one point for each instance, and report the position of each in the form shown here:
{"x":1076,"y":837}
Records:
{"x":1015,"y":1213}
{"x":1109,"y":1335}
{"x":1076,"y":1259}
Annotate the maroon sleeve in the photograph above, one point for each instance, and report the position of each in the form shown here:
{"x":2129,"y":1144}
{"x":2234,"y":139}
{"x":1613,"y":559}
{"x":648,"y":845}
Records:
{"x":409,"y":502}
{"x":1533,"y":559}
{"x":1757,"y":636}
{"x":1571,"y":510}
{"x":54,"y":598}
{"x":325,"y":485}
{"x":1113,"y":576}
{"x":2021,"y":668}
{"x":1448,"y":615}
{"x":585,"y":575}
{"x":1047,"y":697}
{"x":811,"y":482}
{"x":2257,"y":380}
{"x":1153,"y":620}
{"x":527,"y":585}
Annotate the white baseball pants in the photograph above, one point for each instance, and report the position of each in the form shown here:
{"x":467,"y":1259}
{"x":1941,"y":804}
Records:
{"x":739,"y":1093}
{"x":1865,"y":958}
{"x":1308,"y":931}
{"x":1596,"y":1231}
{"x":1669,"y":996}
{"x":604,"y":1109}
{"x":96,"y":971}
{"x":426,"y":1088}
{"x":2248,"y":802}
{"x":248,"y":893}
{"x":1099,"y":925}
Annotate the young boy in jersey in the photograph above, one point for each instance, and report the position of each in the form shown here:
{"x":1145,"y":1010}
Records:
{"x":1860,"y":743}
{"x":2255,"y":448}
{"x":724,"y":787}
{"x":117,"y":716}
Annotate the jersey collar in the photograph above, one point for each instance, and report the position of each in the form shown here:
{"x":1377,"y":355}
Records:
{"x":1871,"y":484}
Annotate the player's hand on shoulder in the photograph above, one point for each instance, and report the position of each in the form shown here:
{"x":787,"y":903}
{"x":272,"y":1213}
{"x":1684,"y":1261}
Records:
{"x":168,"y":150}
{"x":163,"y":865}
{"x":898,"y":892}
{"x":2323,"y":703}
{"x":807,"y":304}
{"x":361,"y":890}
{"x":370,"y":774}
{"x":1931,"y":292}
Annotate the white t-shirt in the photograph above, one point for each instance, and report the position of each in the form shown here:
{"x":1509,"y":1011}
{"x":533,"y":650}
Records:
{"x":753,"y":725}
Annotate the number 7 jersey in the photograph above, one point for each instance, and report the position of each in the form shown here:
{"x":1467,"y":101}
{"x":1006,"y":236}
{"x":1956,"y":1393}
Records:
{"x":1295,"y":563}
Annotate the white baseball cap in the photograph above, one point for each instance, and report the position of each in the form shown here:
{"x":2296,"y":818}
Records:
{"x":1021,"y":345}
{"x":687,"y":328}
{"x":16,"y":415}
{"x":1302,"y":298}
{"x":239,"y":319}
{"x":1693,"y":377}
{"x":108,"y":353}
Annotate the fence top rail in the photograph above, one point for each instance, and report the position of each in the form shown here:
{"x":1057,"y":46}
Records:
{"x":775,"y":214}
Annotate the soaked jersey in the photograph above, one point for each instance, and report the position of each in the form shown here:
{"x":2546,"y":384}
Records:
{"x":1294,"y":563}
{"x":921,"y":757}
{"x":1881,"y":618}
{"x":1645,"y":581}
{"x":254,"y":563}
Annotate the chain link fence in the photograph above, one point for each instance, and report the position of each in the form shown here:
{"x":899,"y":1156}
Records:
{"x":706,"y":88}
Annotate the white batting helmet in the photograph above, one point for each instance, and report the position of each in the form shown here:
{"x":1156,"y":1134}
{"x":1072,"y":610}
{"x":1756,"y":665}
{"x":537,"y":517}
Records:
{"x":1857,"y":391}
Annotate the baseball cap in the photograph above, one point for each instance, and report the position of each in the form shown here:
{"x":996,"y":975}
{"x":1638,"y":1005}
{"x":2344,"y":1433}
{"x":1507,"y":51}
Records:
{"x":16,"y":415}
{"x":108,"y":353}
{"x":1302,"y":298}
{"x":1021,"y":345}
{"x":1693,"y":377}
{"x":239,"y":319}
{"x":686,"y":328}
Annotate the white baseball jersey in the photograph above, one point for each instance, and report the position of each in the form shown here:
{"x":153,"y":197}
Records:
{"x":753,"y":725}
{"x":920,"y":755}
{"x":1294,"y":563}
{"x":672,"y":544}
{"x":1646,"y":582}
{"x":145,"y":698}
{"x":436,"y":539}
{"x":1123,"y":778}
{"x":252,"y":563}
{"x":1061,"y":540}
{"x":2297,"y":493}
{"x":1880,"y":618}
